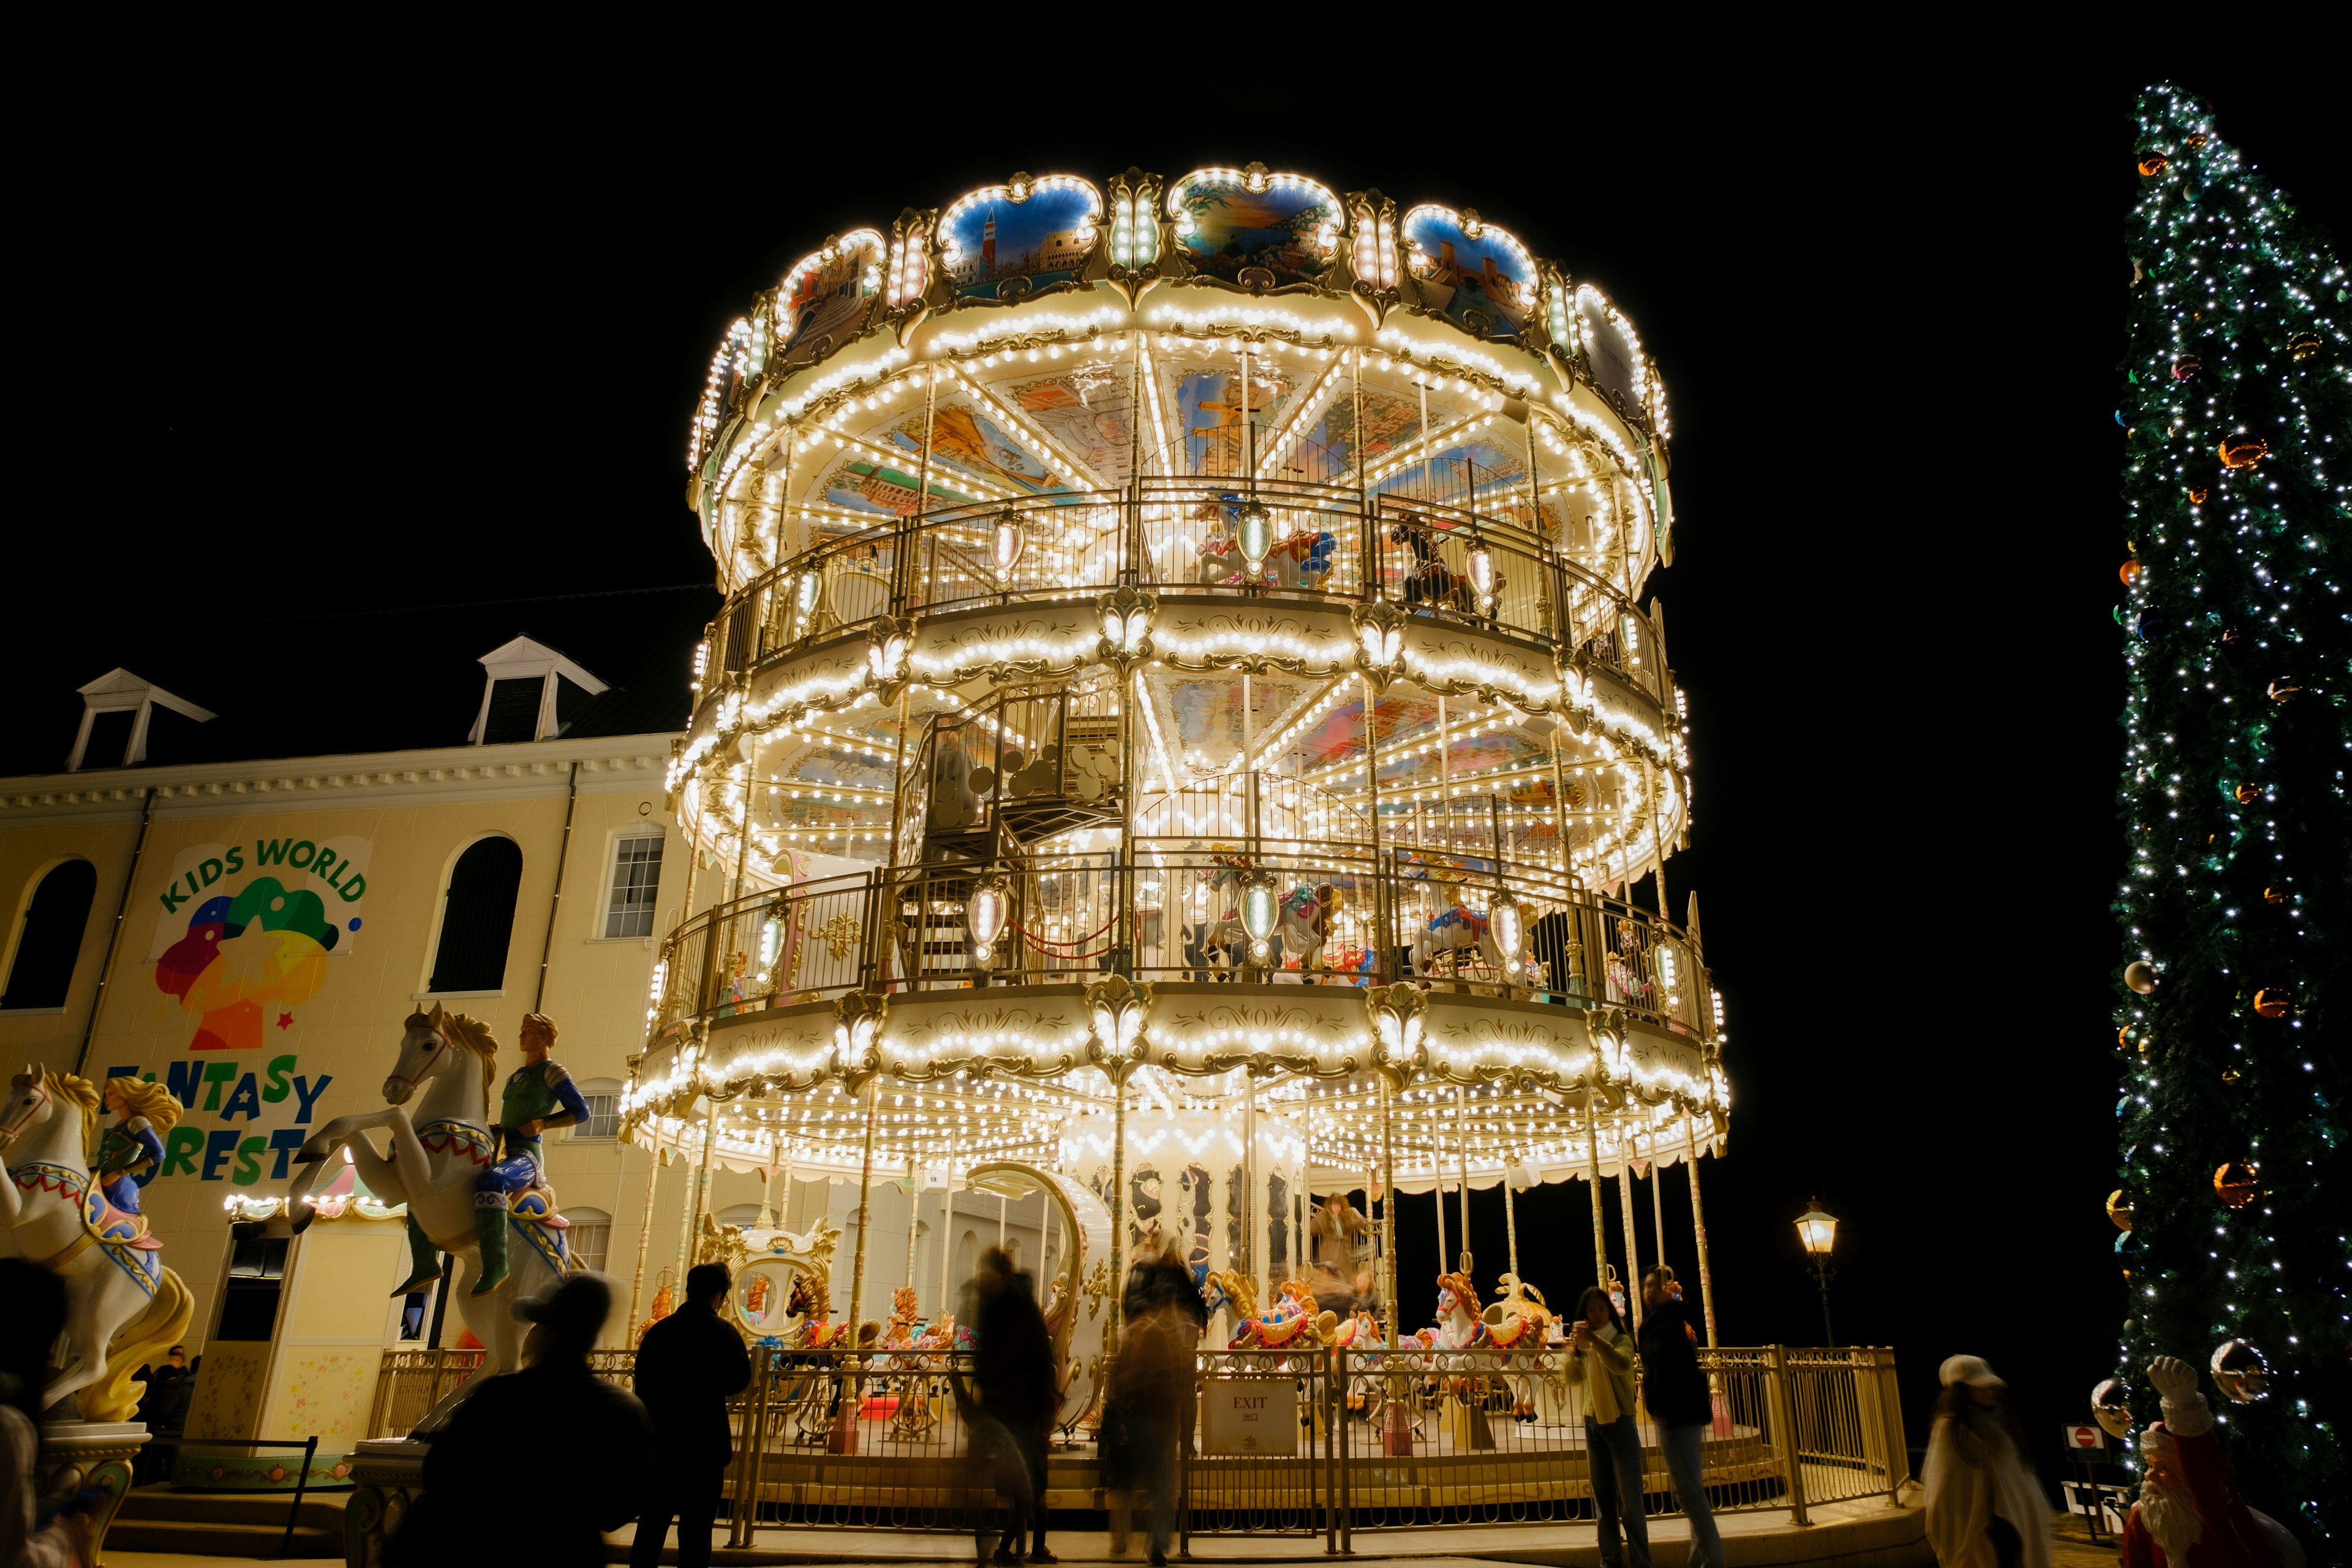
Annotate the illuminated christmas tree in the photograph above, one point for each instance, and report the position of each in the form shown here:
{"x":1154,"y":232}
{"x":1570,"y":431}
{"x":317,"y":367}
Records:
{"x":2237,"y":902}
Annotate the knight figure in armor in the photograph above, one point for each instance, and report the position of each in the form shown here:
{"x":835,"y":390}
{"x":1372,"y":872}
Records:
{"x":540,"y":1097}
{"x":134,"y":1146}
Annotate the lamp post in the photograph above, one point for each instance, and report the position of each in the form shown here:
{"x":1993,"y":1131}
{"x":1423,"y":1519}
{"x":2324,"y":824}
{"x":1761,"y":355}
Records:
{"x":1818,"y":1232}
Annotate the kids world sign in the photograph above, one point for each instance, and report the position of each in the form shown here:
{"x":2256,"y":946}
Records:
{"x":244,"y":932}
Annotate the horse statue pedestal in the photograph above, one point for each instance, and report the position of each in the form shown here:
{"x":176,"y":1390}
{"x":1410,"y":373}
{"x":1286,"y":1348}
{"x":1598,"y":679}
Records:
{"x":90,"y":1456}
{"x":387,"y":1477}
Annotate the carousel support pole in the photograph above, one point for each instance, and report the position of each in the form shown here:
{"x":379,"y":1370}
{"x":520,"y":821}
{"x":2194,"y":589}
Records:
{"x":1511,"y":1222}
{"x":644,"y":1239}
{"x":1437,"y":1191}
{"x":685,"y":1220}
{"x":947,"y":1224}
{"x":1462,"y":1147}
{"x":1251,"y":1251}
{"x":1592,"y":1176}
{"x":843,"y":1438}
{"x":1625,"y":1212}
{"x":914,"y":1223}
{"x":1118,"y":1216}
{"x":1657,"y":1201}
{"x":1699,"y":1226}
{"x":1397,"y":1421}
{"x":1001,"y":1211}
{"x":701,"y":1189}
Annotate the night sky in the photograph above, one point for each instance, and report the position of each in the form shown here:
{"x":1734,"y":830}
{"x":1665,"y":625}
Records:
{"x":302,"y":342}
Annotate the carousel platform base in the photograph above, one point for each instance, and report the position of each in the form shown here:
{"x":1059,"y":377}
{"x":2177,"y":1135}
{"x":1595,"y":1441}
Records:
{"x":1872,"y":1534}
{"x":224,"y":1524}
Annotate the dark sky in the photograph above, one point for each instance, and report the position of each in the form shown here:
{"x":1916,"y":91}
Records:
{"x":295,"y":340}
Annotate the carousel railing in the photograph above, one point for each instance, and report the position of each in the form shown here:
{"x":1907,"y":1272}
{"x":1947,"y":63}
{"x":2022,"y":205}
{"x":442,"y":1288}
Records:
{"x":1305,"y":1439}
{"x":1347,"y":915}
{"x":1173,"y":533}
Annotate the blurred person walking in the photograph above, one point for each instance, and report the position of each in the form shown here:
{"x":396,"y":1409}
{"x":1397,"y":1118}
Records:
{"x":1016,"y":1396}
{"x":35,"y":1532}
{"x":688,"y":1365}
{"x":1149,"y":1379}
{"x":1681,"y":1404}
{"x":1985,"y":1507}
{"x":1600,"y":1362}
{"x":534,"y":1466}
{"x":1159,"y":1289}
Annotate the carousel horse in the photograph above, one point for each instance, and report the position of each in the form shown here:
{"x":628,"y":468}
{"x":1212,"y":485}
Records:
{"x":1452,"y":934}
{"x":1427,"y":580}
{"x":1361,"y":1332}
{"x":123,"y":1308}
{"x":447,"y":1063}
{"x":1292,"y":1319}
{"x":1516,"y":1324}
{"x":1301,"y":560}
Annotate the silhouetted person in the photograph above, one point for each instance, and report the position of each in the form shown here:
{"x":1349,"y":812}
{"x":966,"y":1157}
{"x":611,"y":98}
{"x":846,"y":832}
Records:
{"x":1013,"y":1368}
{"x":1680,"y":1401}
{"x":688,"y":1365}
{"x":31,"y":1315}
{"x":537,"y":1465}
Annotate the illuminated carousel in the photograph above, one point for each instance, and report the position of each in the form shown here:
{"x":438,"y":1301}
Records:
{"x":1183,"y":737}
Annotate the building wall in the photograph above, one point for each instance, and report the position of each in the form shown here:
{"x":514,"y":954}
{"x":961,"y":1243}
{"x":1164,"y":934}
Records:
{"x":269,"y":1034}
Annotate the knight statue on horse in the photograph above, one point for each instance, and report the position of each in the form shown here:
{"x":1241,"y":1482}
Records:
{"x":540,"y":1097}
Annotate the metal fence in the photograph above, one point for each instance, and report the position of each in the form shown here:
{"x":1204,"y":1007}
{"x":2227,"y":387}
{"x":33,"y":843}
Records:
{"x":1304,"y":1441}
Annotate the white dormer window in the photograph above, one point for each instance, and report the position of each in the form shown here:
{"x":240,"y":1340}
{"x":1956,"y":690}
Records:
{"x":529,"y":694}
{"x":118,"y":714}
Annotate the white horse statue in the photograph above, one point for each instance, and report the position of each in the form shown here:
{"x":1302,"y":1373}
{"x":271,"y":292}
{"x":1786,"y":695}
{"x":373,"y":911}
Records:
{"x":123,"y":1308}
{"x":433,"y":1161}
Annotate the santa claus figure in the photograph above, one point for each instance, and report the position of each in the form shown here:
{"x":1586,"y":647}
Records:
{"x":2189,"y":1514}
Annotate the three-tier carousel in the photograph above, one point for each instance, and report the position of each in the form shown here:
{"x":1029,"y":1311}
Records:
{"x":1185,"y":737}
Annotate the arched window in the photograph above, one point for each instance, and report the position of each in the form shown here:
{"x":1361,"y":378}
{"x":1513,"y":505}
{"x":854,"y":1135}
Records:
{"x":590,"y":1237}
{"x":477,"y":918}
{"x":48,"y":937}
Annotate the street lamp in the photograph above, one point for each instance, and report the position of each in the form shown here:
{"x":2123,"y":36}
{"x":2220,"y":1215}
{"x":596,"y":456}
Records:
{"x":1818,"y":1232}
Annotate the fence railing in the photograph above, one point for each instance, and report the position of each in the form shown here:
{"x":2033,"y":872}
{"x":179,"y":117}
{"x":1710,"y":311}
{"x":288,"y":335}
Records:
{"x":1307,"y":1440}
{"x":1171,"y":912}
{"x":1474,"y":568}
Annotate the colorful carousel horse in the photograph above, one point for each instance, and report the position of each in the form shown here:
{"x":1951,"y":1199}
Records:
{"x":1516,"y":1325}
{"x":1293,"y":1320}
{"x":123,"y":1308}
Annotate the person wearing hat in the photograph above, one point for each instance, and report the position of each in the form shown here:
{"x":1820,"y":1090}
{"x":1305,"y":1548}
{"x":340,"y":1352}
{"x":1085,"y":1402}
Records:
{"x":534,"y":1466}
{"x":540,"y":1098}
{"x":1986,"y":1508}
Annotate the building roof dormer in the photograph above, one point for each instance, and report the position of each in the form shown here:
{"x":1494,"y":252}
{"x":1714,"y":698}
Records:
{"x":530,"y":692}
{"x":120,"y":692}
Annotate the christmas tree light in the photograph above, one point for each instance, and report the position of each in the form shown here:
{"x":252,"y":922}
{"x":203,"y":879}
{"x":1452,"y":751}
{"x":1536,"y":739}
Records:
{"x":2237,"y":901}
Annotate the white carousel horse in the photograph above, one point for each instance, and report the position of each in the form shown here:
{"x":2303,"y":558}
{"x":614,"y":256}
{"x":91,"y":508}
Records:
{"x":123,"y":1308}
{"x":431,"y":1167}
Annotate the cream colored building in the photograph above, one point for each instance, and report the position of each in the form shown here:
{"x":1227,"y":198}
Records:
{"x":271,"y":1009}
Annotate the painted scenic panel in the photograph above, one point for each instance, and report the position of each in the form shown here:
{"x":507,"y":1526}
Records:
{"x":1487,"y":284}
{"x":1209,"y":408}
{"x":826,"y":296}
{"x":1286,"y":231}
{"x":1085,"y":409}
{"x":987,"y":238}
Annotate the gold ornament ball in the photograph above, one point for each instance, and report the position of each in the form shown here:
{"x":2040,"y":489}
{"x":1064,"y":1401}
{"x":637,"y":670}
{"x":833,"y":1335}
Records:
{"x":2197,"y":497}
{"x":2269,"y":1004}
{"x":2236,"y":1182}
{"x":2229,"y":1076}
{"x":2119,"y":1209}
{"x":2140,"y":975}
{"x":2284,"y":691}
{"x":2111,"y":1407}
{"x":2195,"y":142}
{"x":2154,"y":163}
{"x":2241,"y":1372}
{"x":2129,"y":573}
{"x":2273,"y":896}
{"x":2247,"y":793}
{"x":2243,"y":451}
{"x":2302,"y":345}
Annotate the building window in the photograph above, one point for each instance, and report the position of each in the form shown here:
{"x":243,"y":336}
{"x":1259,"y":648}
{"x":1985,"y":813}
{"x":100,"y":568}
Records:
{"x":637,"y":884}
{"x":591,"y":1237}
{"x":604,"y":1121}
{"x":48,"y":937}
{"x":477,"y":918}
